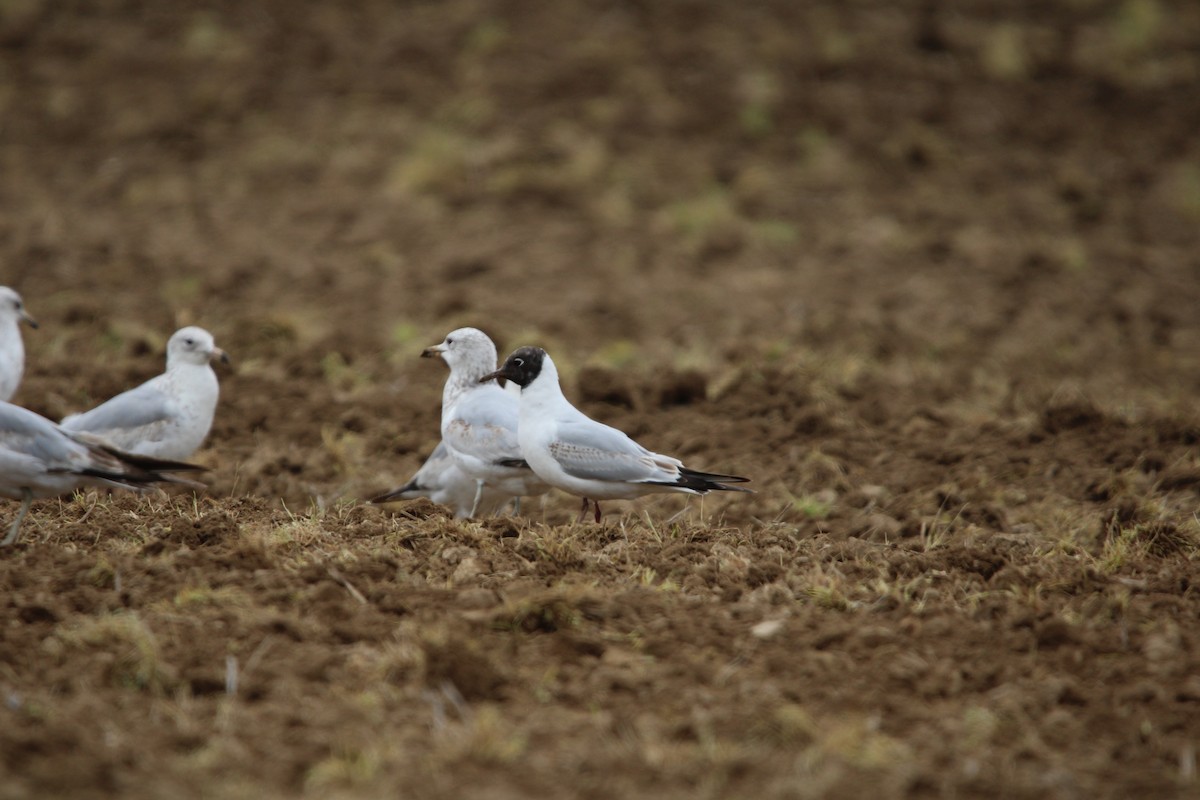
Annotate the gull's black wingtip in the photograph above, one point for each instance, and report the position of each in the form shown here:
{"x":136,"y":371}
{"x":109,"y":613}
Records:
{"x":396,"y":494}
{"x":712,"y":477}
{"x":515,"y":463}
{"x":149,"y":463}
{"x":704,"y":482}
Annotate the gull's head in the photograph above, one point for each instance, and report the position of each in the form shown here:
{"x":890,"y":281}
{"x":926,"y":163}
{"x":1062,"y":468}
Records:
{"x":193,"y":345}
{"x":13,"y":307}
{"x":467,"y":351}
{"x":523,"y":367}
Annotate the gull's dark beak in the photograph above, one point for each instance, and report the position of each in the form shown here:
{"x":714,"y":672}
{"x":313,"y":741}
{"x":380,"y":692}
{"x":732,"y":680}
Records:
{"x":434,"y":351}
{"x":219,"y":355}
{"x":28,"y":320}
{"x":491,"y":376}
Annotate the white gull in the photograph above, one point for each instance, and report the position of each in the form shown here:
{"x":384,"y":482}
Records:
{"x":12,"y":348}
{"x":479,"y":420}
{"x":168,"y":416}
{"x":573,"y":452}
{"x":443,"y":481}
{"x":39,"y":459}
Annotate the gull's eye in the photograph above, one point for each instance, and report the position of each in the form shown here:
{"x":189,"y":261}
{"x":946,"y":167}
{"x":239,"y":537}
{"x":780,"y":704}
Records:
{"x":449,"y":340}
{"x":189,"y":341}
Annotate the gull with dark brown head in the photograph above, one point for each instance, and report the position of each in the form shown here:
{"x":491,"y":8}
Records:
{"x":573,"y":452}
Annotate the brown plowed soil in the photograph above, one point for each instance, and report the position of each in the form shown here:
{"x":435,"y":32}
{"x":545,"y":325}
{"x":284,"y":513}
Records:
{"x":928,"y":272}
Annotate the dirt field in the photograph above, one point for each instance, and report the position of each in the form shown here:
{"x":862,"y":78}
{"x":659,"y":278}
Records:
{"x":928,"y":272}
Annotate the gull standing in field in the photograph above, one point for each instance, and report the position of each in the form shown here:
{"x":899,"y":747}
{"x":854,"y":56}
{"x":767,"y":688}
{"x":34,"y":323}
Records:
{"x":571,"y":451}
{"x":479,"y":419}
{"x":443,"y":481}
{"x":167,"y":416}
{"x":12,"y":349}
{"x":38,"y":459}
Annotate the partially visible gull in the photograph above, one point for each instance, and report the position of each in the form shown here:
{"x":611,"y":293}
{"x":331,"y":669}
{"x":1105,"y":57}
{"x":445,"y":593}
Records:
{"x":39,"y":459}
{"x":12,"y":348}
{"x":169,"y":415}
{"x":442,"y":481}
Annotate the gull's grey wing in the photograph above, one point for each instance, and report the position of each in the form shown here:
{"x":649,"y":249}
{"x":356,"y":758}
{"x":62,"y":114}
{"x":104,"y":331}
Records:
{"x":138,"y":408}
{"x":442,"y":481}
{"x":29,"y":437}
{"x":40,"y":459}
{"x":427,"y":480}
{"x":429,"y":476}
{"x":591,"y":450}
{"x":34,"y":449}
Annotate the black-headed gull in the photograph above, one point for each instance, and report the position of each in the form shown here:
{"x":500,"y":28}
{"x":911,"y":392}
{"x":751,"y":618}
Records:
{"x":479,"y":420}
{"x":39,"y":459}
{"x":12,"y":348}
{"x":571,"y":451}
{"x":169,"y":415}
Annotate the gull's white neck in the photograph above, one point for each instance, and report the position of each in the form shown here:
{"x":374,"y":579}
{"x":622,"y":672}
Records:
{"x":194,"y":384}
{"x":188,"y":369}
{"x":464,"y":377}
{"x":12,"y":357}
{"x":456,"y":386}
{"x":544,"y":393}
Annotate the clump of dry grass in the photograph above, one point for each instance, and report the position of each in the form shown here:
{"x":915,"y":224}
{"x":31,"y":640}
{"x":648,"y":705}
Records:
{"x":128,"y":648}
{"x":346,"y":768}
{"x":1160,"y":539}
{"x":479,"y":735}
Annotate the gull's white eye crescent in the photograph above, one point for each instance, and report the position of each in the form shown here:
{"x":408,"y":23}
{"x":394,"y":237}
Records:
{"x":520,"y":362}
